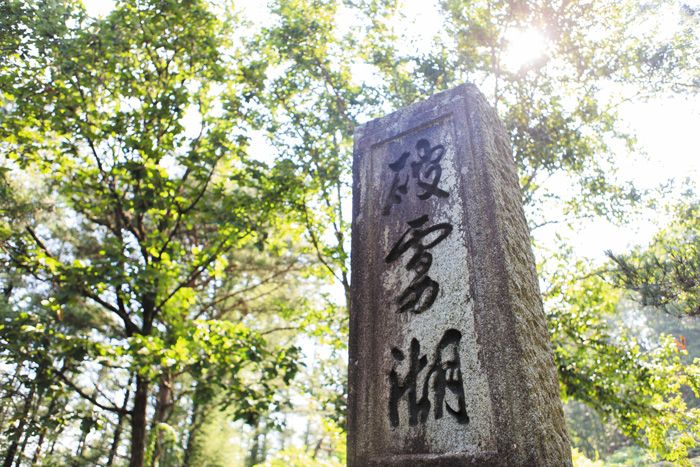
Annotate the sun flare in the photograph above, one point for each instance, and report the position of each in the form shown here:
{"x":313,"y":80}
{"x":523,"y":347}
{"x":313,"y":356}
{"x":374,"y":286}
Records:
{"x":524,"y":47}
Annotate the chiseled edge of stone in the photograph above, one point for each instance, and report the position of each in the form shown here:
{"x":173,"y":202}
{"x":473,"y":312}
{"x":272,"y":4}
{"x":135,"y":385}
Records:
{"x":543,"y":429}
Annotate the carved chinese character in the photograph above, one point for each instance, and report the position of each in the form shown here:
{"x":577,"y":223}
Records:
{"x":418,"y":409}
{"x":422,"y":292}
{"x":447,"y":384}
{"x":428,"y":170}
{"x":397,"y":189}
{"x":448,"y":378}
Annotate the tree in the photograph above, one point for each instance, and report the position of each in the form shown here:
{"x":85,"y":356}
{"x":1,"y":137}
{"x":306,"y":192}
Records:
{"x":637,"y":383}
{"x":561,"y":112}
{"x":150,"y":228}
{"x":145,"y":220}
{"x":666,"y":273}
{"x":662,"y":281}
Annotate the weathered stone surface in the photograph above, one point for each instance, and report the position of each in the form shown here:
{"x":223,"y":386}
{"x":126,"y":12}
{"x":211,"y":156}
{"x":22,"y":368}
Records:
{"x":450,"y":359}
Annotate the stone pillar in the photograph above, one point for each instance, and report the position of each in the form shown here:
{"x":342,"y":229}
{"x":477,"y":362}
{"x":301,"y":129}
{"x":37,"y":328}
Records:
{"x":450,"y":359}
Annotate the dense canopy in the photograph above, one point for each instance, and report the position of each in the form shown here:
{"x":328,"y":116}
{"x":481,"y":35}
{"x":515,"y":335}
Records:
{"x":174,"y":201}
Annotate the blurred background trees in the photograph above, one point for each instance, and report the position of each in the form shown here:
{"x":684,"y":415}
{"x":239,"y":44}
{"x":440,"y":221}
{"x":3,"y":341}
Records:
{"x":174,"y":216}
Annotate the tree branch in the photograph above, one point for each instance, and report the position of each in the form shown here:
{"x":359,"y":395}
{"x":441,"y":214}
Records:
{"x":90,"y":398}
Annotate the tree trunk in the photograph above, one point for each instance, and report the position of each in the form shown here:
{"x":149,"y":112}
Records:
{"x":258,"y":452}
{"x":192,"y":436}
{"x":118,"y":429}
{"x":253,"y":459}
{"x":138,"y":423}
{"x":318,"y":447}
{"x":263,"y":451}
{"x":81,"y":445}
{"x":5,"y":408}
{"x":42,"y":431}
{"x":115,"y":441}
{"x":30,"y":426}
{"x":162,"y":406}
{"x":53,"y":445}
{"x":39,"y":444}
{"x":12,"y":451}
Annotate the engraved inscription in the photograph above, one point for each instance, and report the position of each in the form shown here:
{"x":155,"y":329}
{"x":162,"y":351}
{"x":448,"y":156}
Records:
{"x":426,"y":171}
{"x":399,"y":186}
{"x":447,"y":384}
{"x":430,"y":385}
{"x":422,"y":292}
{"x":422,"y":393}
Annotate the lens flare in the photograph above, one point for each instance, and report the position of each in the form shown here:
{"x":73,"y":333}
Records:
{"x":525,"y":46}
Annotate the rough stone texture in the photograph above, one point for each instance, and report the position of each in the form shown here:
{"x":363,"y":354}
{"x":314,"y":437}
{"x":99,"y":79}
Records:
{"x":465,"y":376}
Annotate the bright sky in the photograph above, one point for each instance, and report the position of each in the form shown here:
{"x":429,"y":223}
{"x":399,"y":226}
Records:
{"x":667,"y":129}
{"x":98,"y":7}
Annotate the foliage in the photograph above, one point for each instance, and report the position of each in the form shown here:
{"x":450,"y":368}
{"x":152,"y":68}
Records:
{"x":630,"y":456}
{"x":603,"y":364}
{"x":298,"y":457}
{"x":662,"y":277}
{"x":139,"y":249}
{"x":155,"y":267}
{"x":666,"y":273}
{"x":589,"y":435}
{"x":219,"y":443}
{"x":559,"y":123}
{"x":314,"y":456}
{"x":580,"y":460}
{"x":562,"y":119}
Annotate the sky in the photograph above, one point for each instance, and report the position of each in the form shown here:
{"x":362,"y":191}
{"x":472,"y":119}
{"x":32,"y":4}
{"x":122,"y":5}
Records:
{"x":667,"y":130}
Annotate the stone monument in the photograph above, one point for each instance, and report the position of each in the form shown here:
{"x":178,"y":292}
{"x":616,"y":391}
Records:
{"x":450,"y":359}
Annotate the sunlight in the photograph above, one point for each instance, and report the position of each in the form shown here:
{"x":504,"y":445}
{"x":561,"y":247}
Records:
{"x":525,"y":46}
{"x":96,"y":8}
